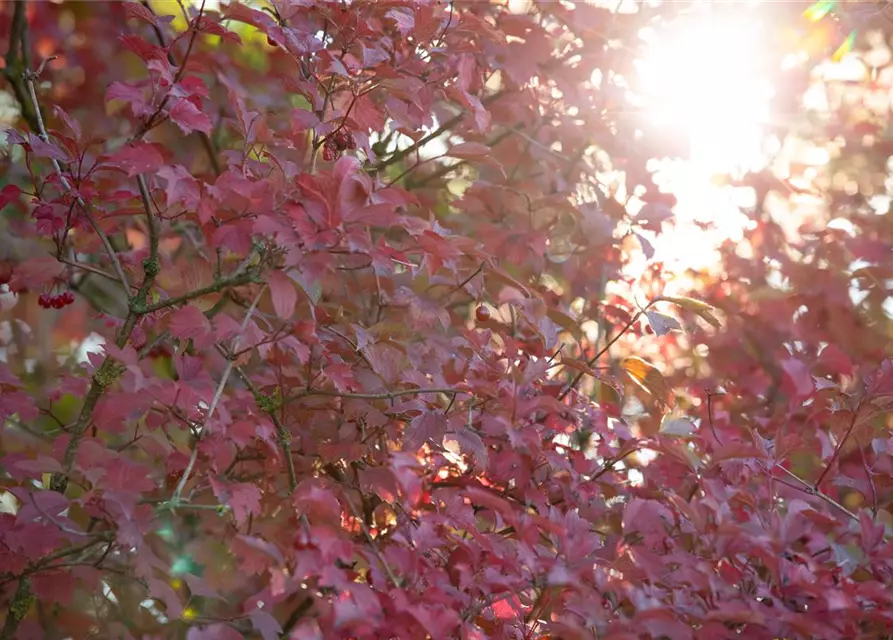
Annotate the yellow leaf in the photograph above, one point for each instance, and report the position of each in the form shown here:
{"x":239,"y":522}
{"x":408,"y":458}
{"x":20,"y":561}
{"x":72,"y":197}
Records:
{"x":702,"y":309}
{"x":648,"y":377}
{"x":688,"y":303}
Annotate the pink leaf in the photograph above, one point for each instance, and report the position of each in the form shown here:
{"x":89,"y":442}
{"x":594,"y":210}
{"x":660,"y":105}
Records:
{"x":265,"y":624}
{"x":284,"y":294}
{"x":797,"y":374}
{"x":469,"y":151}
{"x":136,"y":10}
{"x":137,"y":158}
{"x":428,"y":426}
{"x":162,"y":592}
{"x":189,"y":118}
{"x":182,"y":188}
{"x":189,"y":322}
{"x":199,"y":587}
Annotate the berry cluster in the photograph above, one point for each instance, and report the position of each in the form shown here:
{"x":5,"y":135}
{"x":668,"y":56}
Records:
{"x":337,"y":143}
{"x":57,"y":301}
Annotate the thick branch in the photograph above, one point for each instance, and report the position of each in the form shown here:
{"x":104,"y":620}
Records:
{"x":17,"y":63}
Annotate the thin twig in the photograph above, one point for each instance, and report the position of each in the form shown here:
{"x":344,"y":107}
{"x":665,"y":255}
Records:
{"x":603,"y":351}
{"x":176,"y":498}
{"x":812,"y":490}
{"x":372,"y":543}
{"x":206,"y":141}
{"x":281,"y":432}
{"x":231,"y":281}
{"x":42,"y":133}
{"x":390,"y":395}
{"x":838,"y":448}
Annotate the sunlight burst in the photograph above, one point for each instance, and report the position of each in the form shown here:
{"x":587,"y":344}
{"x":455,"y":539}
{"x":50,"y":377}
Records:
{"x":704,"y":82}
{"x":703,"y":79}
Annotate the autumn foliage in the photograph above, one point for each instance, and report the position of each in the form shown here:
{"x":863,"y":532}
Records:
{"x":372,"y":364}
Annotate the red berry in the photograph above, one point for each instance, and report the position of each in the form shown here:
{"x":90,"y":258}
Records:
{"x":341,"y":140}
{"x":272,"y":42}
{"x":328,"y":154}
{"x":482,"y":313}
{"x":57,"y":302}
{"x":43,"y":300}
{"x":68,"y":297}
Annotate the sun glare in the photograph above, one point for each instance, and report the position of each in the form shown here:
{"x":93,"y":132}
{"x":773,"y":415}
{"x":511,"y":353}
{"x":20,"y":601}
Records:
{"x":703,"y":83}
{"x":703,"y":79}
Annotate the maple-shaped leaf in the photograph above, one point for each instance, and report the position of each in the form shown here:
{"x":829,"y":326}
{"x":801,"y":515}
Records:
{"x":470,"y":444}
{"x":428,"y":426}
{"x":341,"y":376}
{"x":404,"y":19}
{"x":182,"y":188}
{"x":35,"y":272}
{"x":140,"y":157}
{"x":49,"y":149}
{"x":242,"y":497}
{"x":186,"y":115}
{"x":318,"y":502}
{"x":189,"y":322}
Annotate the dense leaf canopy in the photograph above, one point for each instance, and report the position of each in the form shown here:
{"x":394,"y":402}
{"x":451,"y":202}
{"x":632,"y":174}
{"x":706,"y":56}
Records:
{"x":382,"y":319}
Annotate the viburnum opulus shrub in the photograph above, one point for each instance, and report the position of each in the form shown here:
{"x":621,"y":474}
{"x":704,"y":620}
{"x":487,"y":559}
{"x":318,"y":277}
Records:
{"x":297,"y":340}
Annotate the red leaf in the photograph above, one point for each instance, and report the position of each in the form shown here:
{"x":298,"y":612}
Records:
{"x":318,"y":503}
{"x":189,"y":117}
{"x":140,"y":157}
{"x":469,"y":151}
{"x":283,"y":293}
{"x":137,"y":10}
{"x":182,"y":188}
{"x":404,"y":18}
{"x":189,"y":322}
{"x":244,"y":500}
{"x":428,"y":426}
{"x":9,"y":193}
{"x":33,"y":273}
